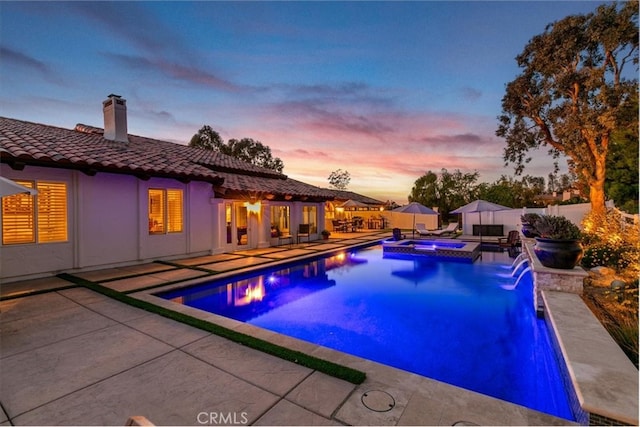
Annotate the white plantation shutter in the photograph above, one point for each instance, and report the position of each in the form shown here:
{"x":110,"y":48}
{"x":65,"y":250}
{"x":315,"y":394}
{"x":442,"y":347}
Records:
{"x":165,"y":211}
{"x":174,"y":211}
{"x":18,"y":217}
{"x":41,"y":218}
{"x":52,"y":212}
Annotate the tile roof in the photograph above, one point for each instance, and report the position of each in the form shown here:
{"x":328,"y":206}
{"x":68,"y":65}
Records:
{"x":344,"y":195}
{"x":86,"y":149}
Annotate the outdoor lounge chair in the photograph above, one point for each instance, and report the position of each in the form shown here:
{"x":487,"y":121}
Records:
{"x":451,"y":229}
{"x":421,"y":230}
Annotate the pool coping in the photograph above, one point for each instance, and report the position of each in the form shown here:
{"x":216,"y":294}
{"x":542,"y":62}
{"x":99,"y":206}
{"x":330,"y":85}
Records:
{"x":603,"y":378}
{"x":469,"y":251}
{"x":584,"y":347}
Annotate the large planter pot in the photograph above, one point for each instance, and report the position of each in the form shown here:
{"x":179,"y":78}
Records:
{"x":564,"y":254}
{"x":528,"y":230}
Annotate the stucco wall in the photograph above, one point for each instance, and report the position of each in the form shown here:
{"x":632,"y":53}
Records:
{"x":108,"y":224}
{"x":21,"y":259}
{"x":107,"y":227}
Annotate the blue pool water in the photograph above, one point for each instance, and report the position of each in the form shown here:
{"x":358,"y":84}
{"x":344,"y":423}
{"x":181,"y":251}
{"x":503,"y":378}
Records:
{"x":461,"y":323}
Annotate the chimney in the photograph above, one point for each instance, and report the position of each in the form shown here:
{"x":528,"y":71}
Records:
{"x":115,"y":118}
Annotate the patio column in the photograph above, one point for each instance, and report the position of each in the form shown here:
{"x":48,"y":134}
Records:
{"x":264,"y":225}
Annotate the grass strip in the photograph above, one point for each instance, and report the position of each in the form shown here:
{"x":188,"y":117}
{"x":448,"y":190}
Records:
{"x":173,"y":282}
{"x":134,"y":275}
{"x":342,"y":372}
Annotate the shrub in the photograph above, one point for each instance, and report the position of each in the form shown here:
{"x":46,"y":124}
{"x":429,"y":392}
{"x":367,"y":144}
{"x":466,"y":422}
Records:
{"x":556,"y":227}
{"x":529,"y":218}
{"x":607,"y":256}
{"x":611,"y":242}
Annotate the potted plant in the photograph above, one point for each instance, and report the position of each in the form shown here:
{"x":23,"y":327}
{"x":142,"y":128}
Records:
{"x":528,"y":224}
{"x":558,"y":244}
{"x":325,"y":234}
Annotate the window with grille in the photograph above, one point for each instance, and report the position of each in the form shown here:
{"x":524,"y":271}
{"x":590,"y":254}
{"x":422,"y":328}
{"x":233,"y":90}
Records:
{"x":41,"y":218}
{"x":165,"y":211}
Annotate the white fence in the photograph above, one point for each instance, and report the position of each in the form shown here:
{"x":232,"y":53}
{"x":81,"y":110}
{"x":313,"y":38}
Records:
{"x":510,"y":218}
{"x":405,"y":220}
{"x":628,"y":219}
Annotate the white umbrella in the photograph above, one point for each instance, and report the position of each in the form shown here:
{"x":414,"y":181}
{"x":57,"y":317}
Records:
{"x":479,"y":206}
{"x":9,"y":188}
{"x":415,"y":208}
{"x":353,"y":204}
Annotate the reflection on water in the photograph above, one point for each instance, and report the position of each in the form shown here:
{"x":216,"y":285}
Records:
{"x":246,"y":298}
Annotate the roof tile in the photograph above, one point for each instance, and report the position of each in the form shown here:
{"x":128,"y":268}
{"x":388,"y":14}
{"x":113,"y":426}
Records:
{"x":85,"y":146}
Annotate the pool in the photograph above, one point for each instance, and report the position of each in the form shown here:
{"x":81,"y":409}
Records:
{"x":462,"y":323}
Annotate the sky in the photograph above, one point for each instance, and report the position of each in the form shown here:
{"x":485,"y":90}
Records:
{"x":384,"y":90}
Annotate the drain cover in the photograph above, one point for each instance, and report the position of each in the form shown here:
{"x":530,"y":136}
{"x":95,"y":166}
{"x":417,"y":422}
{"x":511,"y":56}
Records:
{"x":378,"y":400}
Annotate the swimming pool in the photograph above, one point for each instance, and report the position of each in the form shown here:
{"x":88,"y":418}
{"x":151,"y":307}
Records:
{"x":461,"y":323}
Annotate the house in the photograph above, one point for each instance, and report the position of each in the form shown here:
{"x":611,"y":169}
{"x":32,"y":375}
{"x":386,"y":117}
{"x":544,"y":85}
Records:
{"x":347,"y":205}
{"x":107,"y":198}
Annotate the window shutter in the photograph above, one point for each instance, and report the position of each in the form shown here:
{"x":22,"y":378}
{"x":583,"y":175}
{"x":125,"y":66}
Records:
{"x":52,"y":212}
{"x":156,"y":211}
{"x":174,"y":211}
{"x":18,"y":217}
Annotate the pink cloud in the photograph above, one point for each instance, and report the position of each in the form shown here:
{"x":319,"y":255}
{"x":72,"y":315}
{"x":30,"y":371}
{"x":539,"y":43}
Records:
{"x":386,"y":157}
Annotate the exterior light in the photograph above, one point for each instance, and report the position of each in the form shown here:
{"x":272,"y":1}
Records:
{"x":253,"y":207}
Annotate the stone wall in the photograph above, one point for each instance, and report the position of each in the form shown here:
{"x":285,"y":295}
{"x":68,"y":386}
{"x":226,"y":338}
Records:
{"x":552,"y":279}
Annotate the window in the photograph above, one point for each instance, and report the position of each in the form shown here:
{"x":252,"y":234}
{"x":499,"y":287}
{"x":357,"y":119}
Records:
{"x":310,"y":216}
{"x":227,"y":215}
{"x":31,"y":219}
{"x":279,"y":221}
{"x":165,"y":211}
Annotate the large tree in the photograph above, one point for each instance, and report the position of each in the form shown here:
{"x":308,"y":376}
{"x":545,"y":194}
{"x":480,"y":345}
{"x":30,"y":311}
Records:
{"x":571,"y":92}
{"x":339,"y":179}
{"x":511,"y":192}
{"x":446,"y":191}
{"x":254,"y":152}
{"x":207,"y":138}
{"x":245,"y":149}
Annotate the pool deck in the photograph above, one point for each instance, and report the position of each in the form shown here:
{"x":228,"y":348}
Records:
{"x":70,"y":356}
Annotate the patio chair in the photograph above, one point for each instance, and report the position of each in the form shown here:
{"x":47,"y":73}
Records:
{"x":397,"y":234}
{"x":511,"y":241}
{"x":338,"y":225}
{"x":304,"y":230}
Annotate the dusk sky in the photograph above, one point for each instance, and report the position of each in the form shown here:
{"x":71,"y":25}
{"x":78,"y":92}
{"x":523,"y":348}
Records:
{"x":384,"y":90}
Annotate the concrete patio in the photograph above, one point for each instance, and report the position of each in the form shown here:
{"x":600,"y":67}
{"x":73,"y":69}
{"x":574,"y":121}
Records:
{"x":72,"y":356}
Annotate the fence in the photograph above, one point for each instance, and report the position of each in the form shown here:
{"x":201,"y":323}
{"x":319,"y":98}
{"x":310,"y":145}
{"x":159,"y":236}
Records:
{"x":627,"y":219}
{"x":510,"y":218}
{"x":405,"y":220}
